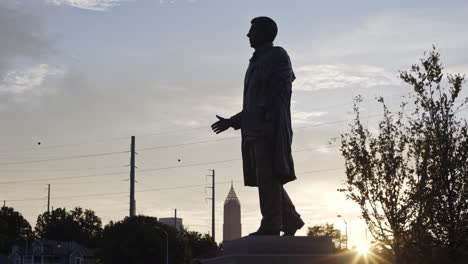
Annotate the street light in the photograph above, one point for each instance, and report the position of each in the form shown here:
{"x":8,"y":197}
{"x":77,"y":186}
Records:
{"x":167,"y":243}
{"x":346,"y":229}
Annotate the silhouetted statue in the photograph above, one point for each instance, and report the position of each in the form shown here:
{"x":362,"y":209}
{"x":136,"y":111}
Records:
{"x":265,"y":123}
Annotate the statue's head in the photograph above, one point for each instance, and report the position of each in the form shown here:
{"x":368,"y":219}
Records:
{"x":263,"y":30}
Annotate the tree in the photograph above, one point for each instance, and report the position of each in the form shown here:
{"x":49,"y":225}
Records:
{"x":77,"y":225}
{"x":330,"y":231}
{"x":89,"y":224}
{"x":13,"y":228}
{"x":411,"y":179}
{"x":439,"y":141}
{"x":377,"y":173}
{"x":199,"y":245}
{"x":140,"y":239}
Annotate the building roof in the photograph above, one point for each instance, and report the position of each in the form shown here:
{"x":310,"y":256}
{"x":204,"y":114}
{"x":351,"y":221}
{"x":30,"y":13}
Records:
{"x":232,"y":196}
{"x":54,"y":247}
{"x":64,"y":248}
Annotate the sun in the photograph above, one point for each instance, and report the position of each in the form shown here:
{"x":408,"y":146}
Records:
{"x":363,"y":249}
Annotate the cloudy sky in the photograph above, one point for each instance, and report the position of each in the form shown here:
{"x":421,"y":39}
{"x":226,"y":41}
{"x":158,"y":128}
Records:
{"x":82,"y":76}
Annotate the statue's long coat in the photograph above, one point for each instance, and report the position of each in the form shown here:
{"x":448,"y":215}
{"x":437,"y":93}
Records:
{"x":266,"y":112}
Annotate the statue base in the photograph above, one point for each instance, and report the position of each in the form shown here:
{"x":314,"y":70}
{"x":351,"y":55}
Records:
{"x":279,"y":250}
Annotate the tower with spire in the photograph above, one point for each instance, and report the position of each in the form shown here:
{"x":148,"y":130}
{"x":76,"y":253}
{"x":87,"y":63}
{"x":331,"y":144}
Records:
{"x":232,"y":228}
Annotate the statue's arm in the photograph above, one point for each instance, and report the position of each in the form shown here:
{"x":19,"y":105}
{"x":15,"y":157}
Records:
{"x":236,"y":120}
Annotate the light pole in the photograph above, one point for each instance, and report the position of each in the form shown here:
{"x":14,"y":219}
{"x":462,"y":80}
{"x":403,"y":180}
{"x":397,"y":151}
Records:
{"x":167,"y":243}
{"x":346,"y":229}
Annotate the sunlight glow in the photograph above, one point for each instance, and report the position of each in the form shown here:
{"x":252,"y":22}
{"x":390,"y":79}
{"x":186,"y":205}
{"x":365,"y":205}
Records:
{"x":363,"y":249}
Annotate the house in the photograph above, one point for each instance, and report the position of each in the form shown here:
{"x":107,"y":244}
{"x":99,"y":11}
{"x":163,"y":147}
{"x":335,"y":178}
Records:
{"x":52,"y":252}
{"x":3,"y":258}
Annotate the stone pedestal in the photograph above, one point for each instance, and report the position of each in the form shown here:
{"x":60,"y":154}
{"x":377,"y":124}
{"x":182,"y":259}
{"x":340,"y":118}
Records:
{"x":279,"y":250}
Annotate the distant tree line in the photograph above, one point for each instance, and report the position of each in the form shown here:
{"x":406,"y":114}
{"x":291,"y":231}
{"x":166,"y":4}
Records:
{"x":409,"y":175}
{"x":329,"y":230}
{"x":139,"y":239}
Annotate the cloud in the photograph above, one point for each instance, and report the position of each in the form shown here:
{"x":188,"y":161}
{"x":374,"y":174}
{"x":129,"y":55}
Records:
{"x":19,"y":82}
{"x":22,"y":35}
{"x":24,"y":49}
{"x":395,"y":37}
{"x":94,"y":5}
{"x":335,"y":76}
{"x":301,"y":117}
{"x":324,"y":149}
{"x":162,"y":2}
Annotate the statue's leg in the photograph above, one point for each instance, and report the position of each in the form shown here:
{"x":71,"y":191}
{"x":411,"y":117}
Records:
{"x":291,"y":218}
{"x":270,"y":189}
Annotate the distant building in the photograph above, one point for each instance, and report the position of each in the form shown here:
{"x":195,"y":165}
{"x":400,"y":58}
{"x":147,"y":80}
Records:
{"x":232,"y":228}
{"x":171,"y":221}
{"x":52,"y":252}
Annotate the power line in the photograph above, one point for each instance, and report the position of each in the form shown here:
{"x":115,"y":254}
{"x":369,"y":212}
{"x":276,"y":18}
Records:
{"x":171,"y":132}
{"x":67,"y":183}
{"x":324,"y":170}
{"x":192,"y":165}
{"x":152,"y":169}
{"x":314,"y":148}
{"x":63,"y":178}
{"x":119,"y":173}
{"x":169,"y":167}
{"x":116,"y":193}
{"x":100,"y":168}
{"x":63,"y":158}
{"x":64,"y":145}
{"x":236,"y":137}
{"x":143,"y":149}
{"x":179,"y":166}
{"x":57,"y":170}
{"x":101,"y":141}
{"x":180,"y":145}
{"x":351,"y":103}
{"x":189,"y":143}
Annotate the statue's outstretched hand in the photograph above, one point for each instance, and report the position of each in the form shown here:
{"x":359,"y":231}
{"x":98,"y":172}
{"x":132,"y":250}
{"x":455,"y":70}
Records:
{"x":221,"y":125}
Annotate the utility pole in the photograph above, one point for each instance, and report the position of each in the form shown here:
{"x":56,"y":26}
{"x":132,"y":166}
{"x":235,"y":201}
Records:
{"x":132,"y":178}
{"x":48,"y":199}
{"x":212,"y":203}
{"x":346,"y":228}
{"x":4,"y":203}
{"x":175,"y":218}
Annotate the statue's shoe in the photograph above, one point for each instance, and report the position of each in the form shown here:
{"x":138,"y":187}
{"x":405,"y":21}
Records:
{"x":265,"y":232}
{"x":291,"y":230}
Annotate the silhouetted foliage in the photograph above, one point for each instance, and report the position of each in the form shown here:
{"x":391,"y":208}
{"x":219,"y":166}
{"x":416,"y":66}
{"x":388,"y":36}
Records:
{"x":377,"y":174}
{"x":82,"y":226}
{"x":379,"y":253}
{"x":411,"y":179}
{"x":439,"y":141}
{"x":140,"y":239}
{"x":330,"y":231}
{"x":14,"y":228}
{"x":199,"y":245}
